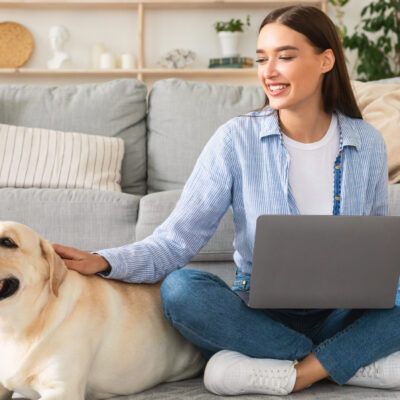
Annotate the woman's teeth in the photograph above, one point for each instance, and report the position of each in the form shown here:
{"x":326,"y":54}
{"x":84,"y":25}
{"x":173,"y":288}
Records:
{"x":279,"y":87}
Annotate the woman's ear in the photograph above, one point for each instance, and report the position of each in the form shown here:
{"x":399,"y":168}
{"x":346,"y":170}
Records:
{"x":328,"y":60}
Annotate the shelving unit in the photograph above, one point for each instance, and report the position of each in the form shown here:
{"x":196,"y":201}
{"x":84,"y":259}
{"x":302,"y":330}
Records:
{"x":142,"y":72}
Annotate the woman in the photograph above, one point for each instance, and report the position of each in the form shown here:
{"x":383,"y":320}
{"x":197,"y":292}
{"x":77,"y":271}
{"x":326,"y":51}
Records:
{"x":307,"y":151}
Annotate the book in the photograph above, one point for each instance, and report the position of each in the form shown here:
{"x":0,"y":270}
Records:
{"x":231,"y":60}
{"x":236,"y":65}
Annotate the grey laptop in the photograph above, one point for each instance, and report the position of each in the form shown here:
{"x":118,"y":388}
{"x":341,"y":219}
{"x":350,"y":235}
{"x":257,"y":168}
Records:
{"x":324,"y":261}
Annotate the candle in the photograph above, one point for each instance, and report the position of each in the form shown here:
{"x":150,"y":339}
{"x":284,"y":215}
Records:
{"x":107,"y":61}
{"x":97,"y":49}
{"x":128,"y":61}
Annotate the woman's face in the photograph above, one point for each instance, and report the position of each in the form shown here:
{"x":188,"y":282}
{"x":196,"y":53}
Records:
{"x":289,"y":67}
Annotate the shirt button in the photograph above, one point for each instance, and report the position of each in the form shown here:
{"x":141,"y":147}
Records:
{"x":337,"y":198}
{"x":337,"y":166}
{"x":244,"y":283}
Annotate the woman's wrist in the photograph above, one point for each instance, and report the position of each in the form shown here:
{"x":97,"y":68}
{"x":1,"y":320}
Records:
{"x":104,"y":266}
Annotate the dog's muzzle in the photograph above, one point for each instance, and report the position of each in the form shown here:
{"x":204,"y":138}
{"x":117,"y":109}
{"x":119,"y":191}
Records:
{"x":8,"y":287}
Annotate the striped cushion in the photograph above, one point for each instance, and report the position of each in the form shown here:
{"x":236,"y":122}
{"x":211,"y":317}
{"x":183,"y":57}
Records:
{"x":43,"y":158}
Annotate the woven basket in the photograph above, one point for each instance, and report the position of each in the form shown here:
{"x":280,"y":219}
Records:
{"x":16,"y":45}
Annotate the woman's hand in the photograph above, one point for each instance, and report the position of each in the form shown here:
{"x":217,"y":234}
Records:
{"x":81,"y":261}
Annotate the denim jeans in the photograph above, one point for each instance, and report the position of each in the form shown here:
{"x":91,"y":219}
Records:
{"x":213,"y":317}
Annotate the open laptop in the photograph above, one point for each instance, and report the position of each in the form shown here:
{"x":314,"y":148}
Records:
{"x":324,"y":261}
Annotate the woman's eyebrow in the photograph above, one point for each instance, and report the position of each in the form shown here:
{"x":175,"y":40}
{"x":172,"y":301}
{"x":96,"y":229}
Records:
{"x":277,"y":49}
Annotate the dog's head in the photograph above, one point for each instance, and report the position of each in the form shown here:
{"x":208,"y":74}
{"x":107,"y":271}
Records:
{"x":26,"y":261}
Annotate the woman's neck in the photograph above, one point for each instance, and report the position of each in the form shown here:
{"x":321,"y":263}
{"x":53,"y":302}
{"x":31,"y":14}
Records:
{"x":307,"y":126}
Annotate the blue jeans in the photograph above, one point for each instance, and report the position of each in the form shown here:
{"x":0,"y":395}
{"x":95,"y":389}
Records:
{"x":213,"y":317}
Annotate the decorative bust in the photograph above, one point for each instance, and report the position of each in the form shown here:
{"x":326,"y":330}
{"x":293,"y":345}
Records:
{"x":58,"y":35}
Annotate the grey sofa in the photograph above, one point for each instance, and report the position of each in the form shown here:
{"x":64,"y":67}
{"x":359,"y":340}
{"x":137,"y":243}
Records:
{"x":164,"y":133}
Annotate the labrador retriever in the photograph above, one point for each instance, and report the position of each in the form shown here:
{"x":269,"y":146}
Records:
{"x":68,"y":336}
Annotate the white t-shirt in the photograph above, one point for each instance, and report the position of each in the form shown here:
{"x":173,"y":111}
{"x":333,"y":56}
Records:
{"x":311,"y":171}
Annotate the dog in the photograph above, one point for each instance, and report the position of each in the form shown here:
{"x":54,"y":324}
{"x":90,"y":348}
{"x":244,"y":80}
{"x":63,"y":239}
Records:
{"x":68,"y":336}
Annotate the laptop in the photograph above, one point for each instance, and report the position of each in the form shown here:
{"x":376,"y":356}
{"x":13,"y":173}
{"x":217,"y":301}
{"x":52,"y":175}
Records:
{"x":324,"y":261}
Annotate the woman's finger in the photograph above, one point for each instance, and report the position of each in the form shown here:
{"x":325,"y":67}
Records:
{"x":67,"y":252}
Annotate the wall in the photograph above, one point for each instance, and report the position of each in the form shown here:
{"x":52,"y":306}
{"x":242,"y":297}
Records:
{"x":164,"y":30}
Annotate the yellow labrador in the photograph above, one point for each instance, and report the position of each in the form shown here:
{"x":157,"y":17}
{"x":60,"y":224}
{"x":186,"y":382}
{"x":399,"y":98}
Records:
{"x":66,"y":336}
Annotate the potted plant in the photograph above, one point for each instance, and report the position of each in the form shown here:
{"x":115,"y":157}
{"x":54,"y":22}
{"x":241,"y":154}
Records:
{"x":229,"y":33}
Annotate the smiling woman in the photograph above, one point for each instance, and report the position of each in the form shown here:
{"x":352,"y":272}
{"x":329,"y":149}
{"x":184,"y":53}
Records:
{"x":307,"y":151}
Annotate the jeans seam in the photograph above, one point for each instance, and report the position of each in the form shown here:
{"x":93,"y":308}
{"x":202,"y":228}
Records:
{"x":175,"y":323}
{"x":338,"y":334}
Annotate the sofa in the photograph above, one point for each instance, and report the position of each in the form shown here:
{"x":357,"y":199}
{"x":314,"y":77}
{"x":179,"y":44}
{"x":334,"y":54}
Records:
{"x":164,"y":132}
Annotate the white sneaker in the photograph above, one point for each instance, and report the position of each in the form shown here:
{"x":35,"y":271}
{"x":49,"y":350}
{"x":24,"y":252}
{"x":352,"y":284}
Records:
{"x":229,"y":373}
{"x":383,"y":373}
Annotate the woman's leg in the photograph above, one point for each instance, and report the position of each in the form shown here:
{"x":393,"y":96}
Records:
{"x":211,"y":316}
{"x":351,"y":339}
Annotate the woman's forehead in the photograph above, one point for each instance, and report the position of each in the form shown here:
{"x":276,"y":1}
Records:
{"x":277,"y":37}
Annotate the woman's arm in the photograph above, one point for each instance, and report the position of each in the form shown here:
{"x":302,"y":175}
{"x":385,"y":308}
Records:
{"x":380,"y":204}
{"x":203,"y":202}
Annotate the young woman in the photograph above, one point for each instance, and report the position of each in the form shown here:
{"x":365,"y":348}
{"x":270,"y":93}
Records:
{"x":306,"y":151}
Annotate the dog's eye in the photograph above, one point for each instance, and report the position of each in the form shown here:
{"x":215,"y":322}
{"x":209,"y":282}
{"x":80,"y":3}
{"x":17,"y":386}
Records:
{"x":7,"y":242}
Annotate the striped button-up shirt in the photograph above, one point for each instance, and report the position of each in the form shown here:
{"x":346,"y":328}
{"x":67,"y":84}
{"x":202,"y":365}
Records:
{"x":245,"y":166}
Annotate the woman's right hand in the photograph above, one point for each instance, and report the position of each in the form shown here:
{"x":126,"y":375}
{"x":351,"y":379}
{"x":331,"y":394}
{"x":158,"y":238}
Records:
{"x":81,"y":261}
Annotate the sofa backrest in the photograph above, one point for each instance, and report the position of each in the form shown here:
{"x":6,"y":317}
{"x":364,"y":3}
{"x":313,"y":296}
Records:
{"x":182,"y":117}
{"x":114,"y":108}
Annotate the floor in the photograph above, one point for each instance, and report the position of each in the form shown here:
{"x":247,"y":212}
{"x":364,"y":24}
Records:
{"x":194,"y":389}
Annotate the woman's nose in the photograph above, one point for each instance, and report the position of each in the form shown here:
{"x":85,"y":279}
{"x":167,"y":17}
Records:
{"x":269,"y":70}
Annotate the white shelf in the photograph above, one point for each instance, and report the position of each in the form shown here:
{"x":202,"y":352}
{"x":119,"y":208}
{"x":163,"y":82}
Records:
{"x":144,"y":71}
{"x":140,"y":6}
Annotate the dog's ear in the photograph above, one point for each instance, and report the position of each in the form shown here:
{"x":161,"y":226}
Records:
{"x":58,"y":269}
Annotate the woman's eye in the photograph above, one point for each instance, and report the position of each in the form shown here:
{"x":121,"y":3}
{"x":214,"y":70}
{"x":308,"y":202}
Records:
{"x":259,"y":60}
{"x":286,"y":58}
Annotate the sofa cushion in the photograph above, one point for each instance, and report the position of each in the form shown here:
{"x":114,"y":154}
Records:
{"x":380,"y":106}
{"x":87,"y":219}
{"x":156,"y":207}
{"x":182,"y":116}
{"x":45,"y":158}
{"x":394,"y":199}
{"x":114,"y":108}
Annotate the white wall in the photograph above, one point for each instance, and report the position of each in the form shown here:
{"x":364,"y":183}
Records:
{"x":165,"y":30}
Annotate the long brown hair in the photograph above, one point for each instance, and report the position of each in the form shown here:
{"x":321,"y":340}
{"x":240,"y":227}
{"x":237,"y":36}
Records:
{"x":317,"y":27}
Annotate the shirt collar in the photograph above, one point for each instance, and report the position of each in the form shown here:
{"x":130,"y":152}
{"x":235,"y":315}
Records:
{"x":348,"y":129}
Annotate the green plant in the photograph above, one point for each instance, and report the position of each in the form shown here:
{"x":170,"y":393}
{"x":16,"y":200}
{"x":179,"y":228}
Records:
{"x":377,"y":41}
{"x":232,"y":25}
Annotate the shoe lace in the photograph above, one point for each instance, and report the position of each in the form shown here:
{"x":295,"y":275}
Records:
{"x":276,"y":378}
{"x":368,"y":371}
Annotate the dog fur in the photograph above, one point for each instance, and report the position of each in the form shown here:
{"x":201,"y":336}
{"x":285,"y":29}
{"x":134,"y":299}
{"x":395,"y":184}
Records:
{"x":68,"y":336}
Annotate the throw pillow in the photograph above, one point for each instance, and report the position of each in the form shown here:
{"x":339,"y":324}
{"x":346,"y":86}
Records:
{"x":43,"y":158}
{"x":380,"y":106}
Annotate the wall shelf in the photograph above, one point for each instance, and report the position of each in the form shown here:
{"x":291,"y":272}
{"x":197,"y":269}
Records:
{"x":140,"y":6}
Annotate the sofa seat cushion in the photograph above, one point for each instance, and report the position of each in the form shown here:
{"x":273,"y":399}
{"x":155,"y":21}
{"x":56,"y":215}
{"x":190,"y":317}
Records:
{"x":156,"y":207}
{"x":86,"y":219}
{"x":394,"y":199}
{"x":115,"y":108}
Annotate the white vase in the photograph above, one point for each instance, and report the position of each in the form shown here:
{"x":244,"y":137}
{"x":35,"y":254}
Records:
{"x":229,"y":43}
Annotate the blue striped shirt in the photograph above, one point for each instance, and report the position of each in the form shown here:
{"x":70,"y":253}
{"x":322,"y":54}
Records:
{"x":245,"y":165}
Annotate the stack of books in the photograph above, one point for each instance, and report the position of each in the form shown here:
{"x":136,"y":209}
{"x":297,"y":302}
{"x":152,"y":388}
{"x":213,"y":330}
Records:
{"x":231,"y":62}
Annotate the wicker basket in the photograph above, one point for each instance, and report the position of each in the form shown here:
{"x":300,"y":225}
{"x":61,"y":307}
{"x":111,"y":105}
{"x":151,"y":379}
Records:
{"x":16,"y":45}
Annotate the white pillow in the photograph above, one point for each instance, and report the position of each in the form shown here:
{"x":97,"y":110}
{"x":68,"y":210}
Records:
{"x":44,"y":158}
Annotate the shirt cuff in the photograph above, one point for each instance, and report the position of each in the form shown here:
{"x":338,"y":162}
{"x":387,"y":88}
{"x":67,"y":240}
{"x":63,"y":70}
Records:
{"x":116,"y":261}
